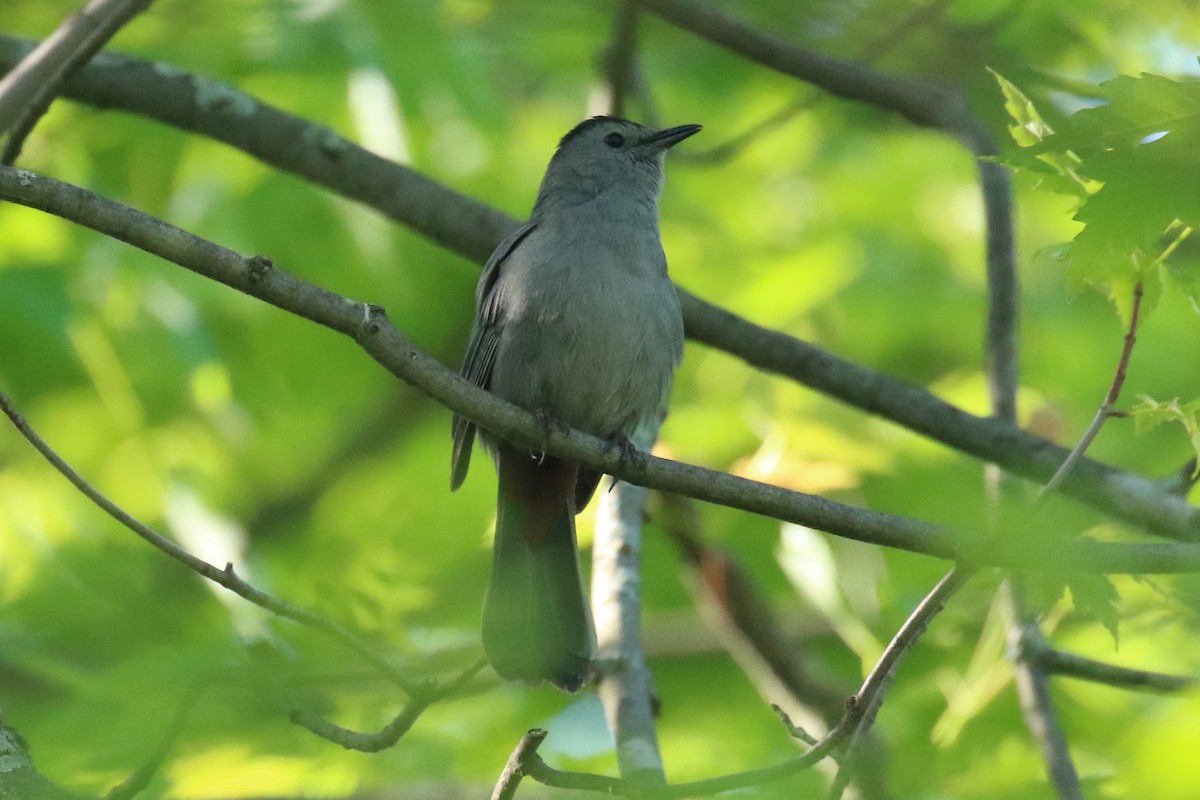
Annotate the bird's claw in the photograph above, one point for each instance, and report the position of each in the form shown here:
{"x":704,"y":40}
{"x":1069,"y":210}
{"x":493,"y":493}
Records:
{"x":629,"y":454}
{"x":547,"y":425}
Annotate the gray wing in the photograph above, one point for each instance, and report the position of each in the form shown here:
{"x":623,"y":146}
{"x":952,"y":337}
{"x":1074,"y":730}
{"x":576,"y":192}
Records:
{"x":481,"y":352}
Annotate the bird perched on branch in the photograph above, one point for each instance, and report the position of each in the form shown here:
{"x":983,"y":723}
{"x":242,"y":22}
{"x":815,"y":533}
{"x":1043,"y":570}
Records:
{"x":577,"y":321}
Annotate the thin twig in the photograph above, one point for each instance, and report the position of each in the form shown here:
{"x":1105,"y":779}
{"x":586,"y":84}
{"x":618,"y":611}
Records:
{"x":391,"y":733}
{"x":910,"y":632}
{"x":1110,"y":399}
{"x":518,"y":764}
{"x":871,"y":52}
{"x":859,"y":710}
{"x":225,"y":577}
{"x":472,"y":229}
{"x":620,"y":60}
{"x":870,"y":697}
{"x":1070,"y":665}
{"x":27,"y":90}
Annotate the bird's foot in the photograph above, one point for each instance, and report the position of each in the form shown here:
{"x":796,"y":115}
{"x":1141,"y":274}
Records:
{"x":547,"y":424}
{"x":630,"y":455}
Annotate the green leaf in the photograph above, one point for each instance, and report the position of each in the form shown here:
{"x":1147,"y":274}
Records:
{"x":1137,"y":161}
{"x":1058,"y":170}
{"x":1030,"y":127}
{"x":1137,"y":108}
{"x":1150,"y":413}
{"x":1095,"y":596}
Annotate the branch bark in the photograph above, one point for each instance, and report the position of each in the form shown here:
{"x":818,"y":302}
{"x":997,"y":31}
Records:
{"x":472,"y":229}
{"x":1069,"y":665}
{"x":518,"y":764}
{"x":1037,"y":706}
{"x":625,"y":685}
{"x":369,"y":327}
{"x":37,"y":76}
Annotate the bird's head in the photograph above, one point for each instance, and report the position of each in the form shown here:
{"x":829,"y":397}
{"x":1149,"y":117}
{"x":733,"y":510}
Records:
{"x":605,"y":154}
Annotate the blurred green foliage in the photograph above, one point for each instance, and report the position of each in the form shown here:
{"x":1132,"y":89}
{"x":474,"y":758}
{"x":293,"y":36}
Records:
{"x":259,"y":438}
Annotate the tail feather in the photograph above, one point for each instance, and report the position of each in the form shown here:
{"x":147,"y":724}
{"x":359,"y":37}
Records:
{"x":536,"y":621}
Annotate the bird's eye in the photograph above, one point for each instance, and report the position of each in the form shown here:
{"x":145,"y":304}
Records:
{"x":614,"y":139}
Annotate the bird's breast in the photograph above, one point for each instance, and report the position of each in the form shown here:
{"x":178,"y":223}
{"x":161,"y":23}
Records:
{"x":591,"y":334}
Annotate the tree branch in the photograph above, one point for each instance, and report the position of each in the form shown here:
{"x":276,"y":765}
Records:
{"x":225,"y":577}
{"x":1069,"y":665}
{"x":625,"y":685}
{"x":29,"y":88}
{"x":870,"y":698}
{"x":369,"y":327}
{"x":472,"y":229}
{"x":723,"y":151}
{"x":1037,"y":706}
{"x":518,"y":764}
{"x":391,"y":733}
{"x":18,"y":776}
{"x":926,"y":104}
{"x":728,"y":600}
{"x":620,"y":59}
{"x":1104,"y":412}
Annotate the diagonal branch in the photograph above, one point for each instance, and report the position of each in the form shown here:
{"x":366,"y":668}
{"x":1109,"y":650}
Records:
{"x":1104,"y":412}
{"x":930,"y":105}
{"x":27,"y":91}
{"x":519,"y":764}
{"x":872,"y":51}
{"x":870,"y":697}
{"x":80,"y":36}
{"x":225,"y":577}
{"x":370,"y":328}
{"x":472,"y":229}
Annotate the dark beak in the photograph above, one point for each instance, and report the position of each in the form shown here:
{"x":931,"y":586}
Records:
{"x":670,"y":136}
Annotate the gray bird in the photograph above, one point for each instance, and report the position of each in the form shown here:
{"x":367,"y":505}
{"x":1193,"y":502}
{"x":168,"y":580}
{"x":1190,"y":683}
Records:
{"x":577,"y":321}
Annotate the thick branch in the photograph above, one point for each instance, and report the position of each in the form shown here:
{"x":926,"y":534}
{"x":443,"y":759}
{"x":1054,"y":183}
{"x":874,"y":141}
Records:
{"x":620,"y":58}
{"x":473,"y":229}
{"x":924,"y":104}
{"x":370,"y":328}
{"x":624,"y":682}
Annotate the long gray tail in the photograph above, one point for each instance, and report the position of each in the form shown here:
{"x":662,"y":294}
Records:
{"x":536,"y":622}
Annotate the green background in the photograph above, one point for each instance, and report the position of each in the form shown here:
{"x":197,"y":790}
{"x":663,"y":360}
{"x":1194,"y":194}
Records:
{"x":254,"y":436}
